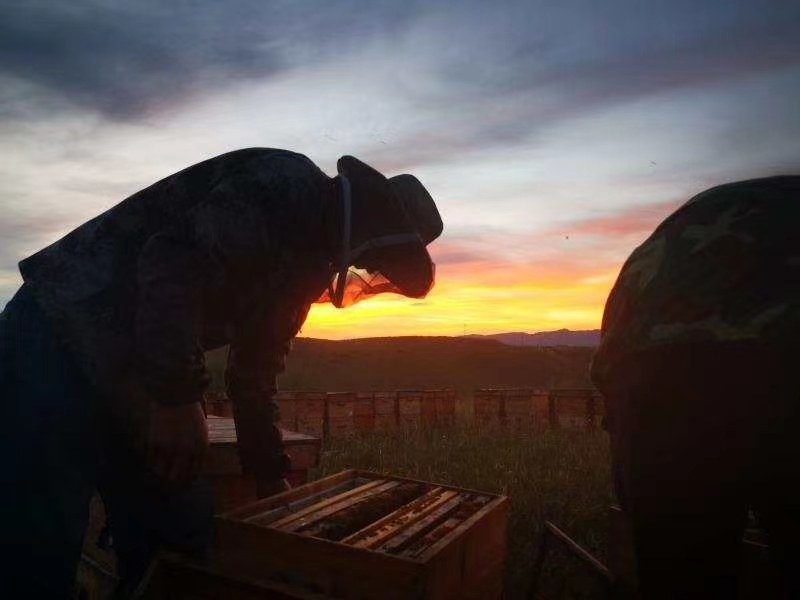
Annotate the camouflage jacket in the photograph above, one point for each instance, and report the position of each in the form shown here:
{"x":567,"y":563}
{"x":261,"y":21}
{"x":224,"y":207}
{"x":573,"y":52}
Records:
{"x":724,"y":267}
{"x":229,"y":251}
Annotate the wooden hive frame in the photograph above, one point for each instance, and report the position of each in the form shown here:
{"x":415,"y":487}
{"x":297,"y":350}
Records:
{"x":429,"y":546}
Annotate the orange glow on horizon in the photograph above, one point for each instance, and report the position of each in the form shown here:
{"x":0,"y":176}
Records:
{"x":468,"y":303}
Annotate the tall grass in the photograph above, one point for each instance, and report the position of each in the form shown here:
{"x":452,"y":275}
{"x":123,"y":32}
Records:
{"x":563,"y":476}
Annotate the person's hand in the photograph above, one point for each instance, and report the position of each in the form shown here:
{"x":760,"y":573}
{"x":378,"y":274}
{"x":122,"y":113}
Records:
{"x":177,"y":442}
{"x":266,"y":488}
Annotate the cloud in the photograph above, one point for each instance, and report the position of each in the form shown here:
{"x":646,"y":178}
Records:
{"x":128,"y":60}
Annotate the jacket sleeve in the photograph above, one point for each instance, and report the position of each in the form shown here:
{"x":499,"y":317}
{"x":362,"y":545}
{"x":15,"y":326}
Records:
{"x":222,"y":240}
{"x":257,"y":357}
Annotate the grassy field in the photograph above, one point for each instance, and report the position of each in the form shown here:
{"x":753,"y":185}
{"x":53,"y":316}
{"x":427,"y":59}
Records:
{"x":562,"y":476}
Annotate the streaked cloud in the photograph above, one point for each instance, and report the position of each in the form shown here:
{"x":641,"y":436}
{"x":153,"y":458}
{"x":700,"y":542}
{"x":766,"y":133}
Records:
{"x":554,"y":136}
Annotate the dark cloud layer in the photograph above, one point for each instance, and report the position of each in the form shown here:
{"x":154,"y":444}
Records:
{"x":131,"y":59}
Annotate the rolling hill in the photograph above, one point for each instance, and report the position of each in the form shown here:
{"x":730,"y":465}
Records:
{"x":424,"y":362}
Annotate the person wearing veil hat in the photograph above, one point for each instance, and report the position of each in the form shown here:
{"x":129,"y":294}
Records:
{"x":103,"y":345}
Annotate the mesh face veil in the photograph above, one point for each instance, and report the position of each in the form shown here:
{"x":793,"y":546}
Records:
{"x":351,"y":284}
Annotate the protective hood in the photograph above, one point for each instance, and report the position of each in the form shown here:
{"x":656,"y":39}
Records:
{"x":386,"y":225}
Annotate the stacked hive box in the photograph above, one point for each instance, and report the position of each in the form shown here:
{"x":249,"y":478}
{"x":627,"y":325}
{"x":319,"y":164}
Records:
{"x":363,"y":535}
{"x":541,"y":409}
{"x":572,"y":408}
{"x":310,"y":412}
{"x":223,"y":468}
{"x":429,"y":398}
{"x":446,"y":407}
{"x":385,"y":405}
{"x":488,"y":405}
{"x":409,"y":408}
{"x":364,"y":411}
{"x":340,"y":413}
{"x":519,"y":410}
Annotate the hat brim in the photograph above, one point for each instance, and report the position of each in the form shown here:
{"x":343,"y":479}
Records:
{"x":408,"y":267}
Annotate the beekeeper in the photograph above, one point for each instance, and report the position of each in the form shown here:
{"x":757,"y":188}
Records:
{"x":102,"y":346}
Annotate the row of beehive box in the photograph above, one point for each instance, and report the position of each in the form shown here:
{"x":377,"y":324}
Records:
{"x":343,"y":413}
{"x":527,"y":409}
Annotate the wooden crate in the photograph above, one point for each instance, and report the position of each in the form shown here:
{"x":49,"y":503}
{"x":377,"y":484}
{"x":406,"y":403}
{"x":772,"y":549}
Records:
{"x":409,"y":408}
{"x":385,"y":410}
{"x":310,"y":411}
{"x":223,"y":468}
{"x":364,"y":411}
{"x":446,"y":407}
{"x":519,"y":409}
{"x":340,"y":407}
{"x":488,"y":406}
{"x":540,"y":400}
{"x":572,"y":408}
{"x":364,"y":535}
{"x":429,"y":400}
{"x":287,"y":409}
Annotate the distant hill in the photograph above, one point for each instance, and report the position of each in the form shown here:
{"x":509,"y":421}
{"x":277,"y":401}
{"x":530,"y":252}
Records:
{"x":561,"y":337}
{"x":424,"y":362}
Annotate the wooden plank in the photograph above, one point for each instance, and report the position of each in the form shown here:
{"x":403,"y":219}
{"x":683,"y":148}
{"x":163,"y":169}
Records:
{"x":394,"y":523}
{"x":325,"y":503}
{"x":399,"y":542}
{"x":320,"y":485}
{"x":329,"y":568}
{"x":317,"y":513}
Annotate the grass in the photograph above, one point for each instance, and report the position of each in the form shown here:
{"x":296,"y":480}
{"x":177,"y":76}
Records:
{"x":563,"y":476}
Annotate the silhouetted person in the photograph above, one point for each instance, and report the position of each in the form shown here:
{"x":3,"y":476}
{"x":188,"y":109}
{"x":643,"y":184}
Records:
{"x":698,"y":364}
{"x":102,"y":346}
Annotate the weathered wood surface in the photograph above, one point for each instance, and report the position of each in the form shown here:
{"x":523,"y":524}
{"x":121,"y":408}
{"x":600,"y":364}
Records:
{"x":223,"y":468}
{"x":398,"y":538}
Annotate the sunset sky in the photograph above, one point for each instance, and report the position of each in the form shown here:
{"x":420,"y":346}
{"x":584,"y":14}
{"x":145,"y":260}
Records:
{"x":553,"y":135}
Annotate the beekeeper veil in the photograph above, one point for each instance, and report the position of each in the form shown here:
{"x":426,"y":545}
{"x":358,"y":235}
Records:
{"x":386,"y":226}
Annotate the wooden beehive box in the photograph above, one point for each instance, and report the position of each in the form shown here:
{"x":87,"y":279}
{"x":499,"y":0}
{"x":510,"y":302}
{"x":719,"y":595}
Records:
{"x":362,"y":535}
{"x":429,"y":400}
{"x":340,"y":413}
{"x":409,"y":408}
{"x":488,"y":405}
{"x":222,"y":466}
{"x":572,"y":408}
{"x":310,"y":412}
{"x":364,"y":411}
{"x":446,"y":407}
{"x":598,"y":409}
{"x":519,"y":410}
{"x":541,"y":409}
{"x":385,"y":404}
{"x":287,"y":410}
